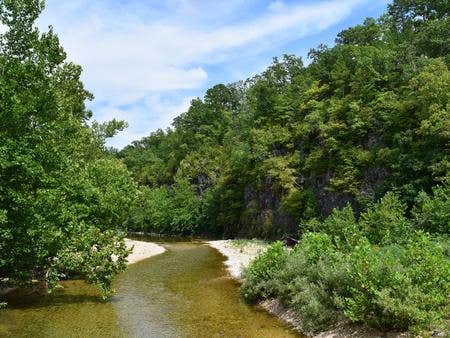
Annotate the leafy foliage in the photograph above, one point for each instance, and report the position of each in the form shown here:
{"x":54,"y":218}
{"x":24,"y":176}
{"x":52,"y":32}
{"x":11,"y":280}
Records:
{"x":263,"y":270}
{"x":170,"y":210}
{"x":398,"y":286}
{"x":433,"y":212}
{"x":353,"y":147}
{"x":62,"y":198}
{"x":367,"y":116}
{"x":402,"y":284}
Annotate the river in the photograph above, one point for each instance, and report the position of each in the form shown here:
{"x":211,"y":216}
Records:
{"x":184,"y":292}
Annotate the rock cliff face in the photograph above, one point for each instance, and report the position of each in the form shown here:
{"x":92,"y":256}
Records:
{"x":201,"y":181}
{"x":263,"y":215}
{"x":372,"y":181}
{"x":327,"y":199}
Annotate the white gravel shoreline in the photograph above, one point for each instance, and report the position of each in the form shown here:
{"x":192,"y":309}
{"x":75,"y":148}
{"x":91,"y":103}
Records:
{"x":142,"y":250}
{"x":238,"y":256}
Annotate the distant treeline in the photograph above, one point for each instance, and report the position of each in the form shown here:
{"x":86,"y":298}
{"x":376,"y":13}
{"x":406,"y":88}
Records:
{"x":350,"y":154}
{"x":258,"y":157}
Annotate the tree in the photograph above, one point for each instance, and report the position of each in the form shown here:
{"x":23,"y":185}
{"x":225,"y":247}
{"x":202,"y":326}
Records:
{"x":62,"y":199}
{"x":364,"y":117}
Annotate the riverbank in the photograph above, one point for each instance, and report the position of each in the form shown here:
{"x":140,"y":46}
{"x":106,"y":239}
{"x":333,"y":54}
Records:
{"x":240,"y":254}
{"x":142,"y":250}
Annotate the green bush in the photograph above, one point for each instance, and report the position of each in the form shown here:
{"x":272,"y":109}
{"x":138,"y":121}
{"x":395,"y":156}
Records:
{"x":260,"y":275}
{"x":395,"y":278}
{"x":300,"y":204}
{"x":433,"y":212}
{"x":385,"y":222}
{"x":313,"y":281}
{"x":341,"y":226}
{"x":398,"y":286}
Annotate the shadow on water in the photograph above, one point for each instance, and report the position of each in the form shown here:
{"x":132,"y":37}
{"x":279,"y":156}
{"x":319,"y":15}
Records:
{"x":185,"y":292}
{"x":76,"y":311}
{"x":55,"y":301}
{"x":28,"y":301}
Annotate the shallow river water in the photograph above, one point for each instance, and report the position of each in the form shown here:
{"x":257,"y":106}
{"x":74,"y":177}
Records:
{"x":185,"y":292}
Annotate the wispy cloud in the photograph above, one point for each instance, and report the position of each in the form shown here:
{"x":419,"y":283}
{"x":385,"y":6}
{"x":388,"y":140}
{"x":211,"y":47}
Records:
{"x":154,"y":112}
{"x":135,"y":53}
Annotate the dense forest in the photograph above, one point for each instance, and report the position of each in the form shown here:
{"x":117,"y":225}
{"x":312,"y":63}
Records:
{"x":349,"y":153}
{"x":63,"y":198}
{"x":259,"y":157}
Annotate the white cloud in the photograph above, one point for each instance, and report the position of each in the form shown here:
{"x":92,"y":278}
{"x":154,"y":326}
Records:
{"x":162,"y":115}
{"x":128,"y":83}
{"x":277,"y":6}
{"x":142,"y":50}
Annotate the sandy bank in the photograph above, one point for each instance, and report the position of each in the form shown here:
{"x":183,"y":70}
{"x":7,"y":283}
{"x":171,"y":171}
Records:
{"x":238,"y":256}
{"x":142,"y":250}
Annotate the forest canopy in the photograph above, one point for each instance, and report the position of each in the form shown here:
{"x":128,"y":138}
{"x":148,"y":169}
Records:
{"x":258,"y":157}
{"x":63,"y":199}
{"x":349,"y":154}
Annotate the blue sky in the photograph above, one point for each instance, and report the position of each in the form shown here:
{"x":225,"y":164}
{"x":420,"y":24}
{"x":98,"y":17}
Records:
{"x":145,"y":60}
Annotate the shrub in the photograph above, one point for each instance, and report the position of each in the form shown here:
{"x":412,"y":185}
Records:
{"x":396,"y":278}
{"x":385,"y":222}
{"x":313,"y":281}
{"x":260,"y":275}
{"x":300,"y":204}
{"x":342,"y":227}
{"x":398,"y":286}
{"x":432,"y":213}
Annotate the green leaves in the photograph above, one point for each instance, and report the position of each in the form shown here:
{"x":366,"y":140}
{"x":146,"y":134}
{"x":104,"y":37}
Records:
{"x":399,"y":286}
{"x":432,"y":213}
{"x":399,"y":280}
{"x":19,"y":18}
{"x":170,"y":210}
{"x":386,"y":221}
{"x":60,"y":194}
{"x":367,"y":116}
{"x":262,"y":270}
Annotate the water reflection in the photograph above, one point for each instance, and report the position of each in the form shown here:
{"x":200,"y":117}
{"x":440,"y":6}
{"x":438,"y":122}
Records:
{"x":184,"y":292}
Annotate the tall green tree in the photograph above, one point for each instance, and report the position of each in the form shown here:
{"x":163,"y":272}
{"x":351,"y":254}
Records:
{"x":62,"y":198}
{"x":366,"y":116}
